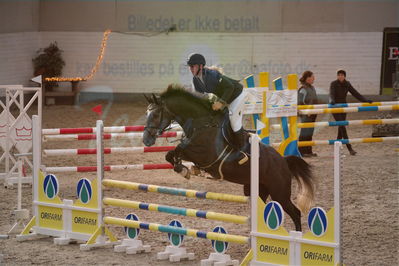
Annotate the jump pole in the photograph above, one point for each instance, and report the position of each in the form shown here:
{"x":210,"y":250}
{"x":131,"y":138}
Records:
{"x":340,"y":105}
{"x":115,"y":129}
{"x":224,"y":217}
{"x":111,"y":168}
{"x":130,"y":135}
{"x":189,"y":193}
{"x":344,"y":123}
{"x":349,"y":109}
{"x":123,"y":150}
{"x":343,"y":141}
{"x":347,"y":141}
{"x":175,"y":230}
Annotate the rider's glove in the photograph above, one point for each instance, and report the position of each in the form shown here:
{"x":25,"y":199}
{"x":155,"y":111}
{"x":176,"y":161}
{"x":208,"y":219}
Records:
{"x":217,"y":106}
{"x":212,"y":97}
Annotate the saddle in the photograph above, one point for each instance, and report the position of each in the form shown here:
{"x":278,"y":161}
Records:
{"x":217,"y":122}
{"x":227,"y":131}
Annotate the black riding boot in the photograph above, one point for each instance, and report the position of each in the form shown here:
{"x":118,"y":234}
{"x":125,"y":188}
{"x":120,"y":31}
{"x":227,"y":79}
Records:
{"x":350,"y":149}
{"x":241,"y":142}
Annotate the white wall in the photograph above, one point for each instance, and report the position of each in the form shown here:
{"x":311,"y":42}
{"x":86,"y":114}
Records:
{"x":218,"y":15}
{"x":148,"y":64}
{"x":19,"y":16}
{"x":16,"y":53}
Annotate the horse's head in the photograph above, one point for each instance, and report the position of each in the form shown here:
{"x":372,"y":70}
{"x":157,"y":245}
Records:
{"x":157,"y":120}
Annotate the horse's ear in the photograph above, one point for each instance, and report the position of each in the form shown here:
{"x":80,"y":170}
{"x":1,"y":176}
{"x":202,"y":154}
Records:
{"x":147,"y":98}
{"x":154,"y":98}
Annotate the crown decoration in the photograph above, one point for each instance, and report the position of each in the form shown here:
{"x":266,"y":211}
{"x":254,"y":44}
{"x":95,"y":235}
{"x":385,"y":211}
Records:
{"x":23,"y":133}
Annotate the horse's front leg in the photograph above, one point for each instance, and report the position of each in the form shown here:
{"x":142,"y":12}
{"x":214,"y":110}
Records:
{"x":170,"y":157}
{"x":174,"y":158}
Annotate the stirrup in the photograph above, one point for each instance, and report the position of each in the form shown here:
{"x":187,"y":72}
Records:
{"x":243,"y":160}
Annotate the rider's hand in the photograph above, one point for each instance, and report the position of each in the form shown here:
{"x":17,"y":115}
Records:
{"x":217,"y":106}
{"x":212,"y":97}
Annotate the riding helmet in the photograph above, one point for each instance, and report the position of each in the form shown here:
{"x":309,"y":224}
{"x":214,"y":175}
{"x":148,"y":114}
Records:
{"x":196,"y":59}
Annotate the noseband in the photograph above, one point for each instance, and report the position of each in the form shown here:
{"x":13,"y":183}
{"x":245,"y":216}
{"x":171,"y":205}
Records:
{"x":159,"y":129}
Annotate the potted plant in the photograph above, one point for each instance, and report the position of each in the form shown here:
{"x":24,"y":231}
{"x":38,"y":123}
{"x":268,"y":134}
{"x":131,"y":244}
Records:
{"x":48,"y":63}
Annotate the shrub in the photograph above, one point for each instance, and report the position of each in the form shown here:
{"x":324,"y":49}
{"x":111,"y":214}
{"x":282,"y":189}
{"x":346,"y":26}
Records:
{"x":48,"y":63}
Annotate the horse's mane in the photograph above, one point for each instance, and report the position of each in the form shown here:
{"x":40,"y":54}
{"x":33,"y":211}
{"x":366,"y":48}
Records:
{"x":177,"y":90}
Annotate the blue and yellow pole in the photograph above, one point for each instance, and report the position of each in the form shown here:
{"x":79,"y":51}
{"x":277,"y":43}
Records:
{"x":289,"y":143}
{"x":224,"y":217}
{"x":175,"y":191}
{"x":177,"y":230}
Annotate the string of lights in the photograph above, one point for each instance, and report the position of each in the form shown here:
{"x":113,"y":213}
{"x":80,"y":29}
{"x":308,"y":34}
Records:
{"x":101,"y":55}
{"x":93,"y":70}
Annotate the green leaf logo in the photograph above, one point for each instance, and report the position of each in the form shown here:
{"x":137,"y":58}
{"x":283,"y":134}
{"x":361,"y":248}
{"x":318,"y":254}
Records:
{"x":273,"y":215}
{"x":272,"y":219}
{"x":317,"y":221}
{"x":132,"y":233}
{"x":175,"y":239}
{"x":50,"y":186}
{"x":219,"y":246}
{"x":84,"y":190}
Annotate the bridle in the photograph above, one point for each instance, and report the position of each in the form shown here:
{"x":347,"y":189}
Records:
{"x":158,"y":128}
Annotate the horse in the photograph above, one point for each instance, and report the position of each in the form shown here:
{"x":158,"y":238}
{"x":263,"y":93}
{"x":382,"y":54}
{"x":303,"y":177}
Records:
{"x":206,"y":146}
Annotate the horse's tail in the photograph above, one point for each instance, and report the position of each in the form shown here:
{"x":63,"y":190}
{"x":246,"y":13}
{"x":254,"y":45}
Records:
{"x":303,"y":175}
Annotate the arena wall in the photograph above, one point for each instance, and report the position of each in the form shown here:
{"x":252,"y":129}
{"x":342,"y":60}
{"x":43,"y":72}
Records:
{"x":220,"y":15}
{"x":244,"y":37}
{"x":135,"y":64}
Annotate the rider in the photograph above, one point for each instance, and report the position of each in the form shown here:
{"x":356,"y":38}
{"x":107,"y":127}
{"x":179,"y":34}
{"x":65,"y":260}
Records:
{"x":229,"y":93}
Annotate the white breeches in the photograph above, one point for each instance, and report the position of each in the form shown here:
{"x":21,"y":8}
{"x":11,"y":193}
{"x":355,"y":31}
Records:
{"x":236,"y":109}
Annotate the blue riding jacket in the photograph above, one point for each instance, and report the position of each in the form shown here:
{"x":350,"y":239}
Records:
{"x":225,"y":88}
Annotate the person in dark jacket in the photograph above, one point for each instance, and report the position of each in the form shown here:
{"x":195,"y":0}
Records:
{"x":339,"y":89}
{"x":229,"y":93}
{"x":307,"y":96}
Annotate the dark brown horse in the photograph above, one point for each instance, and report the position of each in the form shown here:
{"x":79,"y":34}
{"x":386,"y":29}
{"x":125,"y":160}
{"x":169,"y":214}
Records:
{"x":206,"y":146}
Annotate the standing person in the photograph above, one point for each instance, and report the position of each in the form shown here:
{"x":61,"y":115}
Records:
{"x":229,"y":94}
{"x":307,"y":96}
{"x":339,"y":89}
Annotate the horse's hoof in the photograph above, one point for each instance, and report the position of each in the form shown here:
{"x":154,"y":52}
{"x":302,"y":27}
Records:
{"x":185,"y":173}
{"x":195,"y":170}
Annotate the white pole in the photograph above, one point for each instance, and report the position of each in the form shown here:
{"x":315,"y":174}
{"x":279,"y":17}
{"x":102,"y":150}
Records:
{"x":20,"y":159}
{"x":100,"y":173}
{"x":37,"y":160}
{"x":19,"y":192}
{"x":337,"y":201}
{"x":40,"y":102}
{"x":254,"y":191}
{"x":8,"y":138}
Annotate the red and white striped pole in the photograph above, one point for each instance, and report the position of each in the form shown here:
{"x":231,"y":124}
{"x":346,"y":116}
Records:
{"x":72,"y":152}
{"x":173,"y":134}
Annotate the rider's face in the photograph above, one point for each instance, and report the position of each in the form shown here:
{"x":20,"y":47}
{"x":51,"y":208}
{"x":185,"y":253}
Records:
{"x":195,"y":69}
{"x":341,"y":77}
